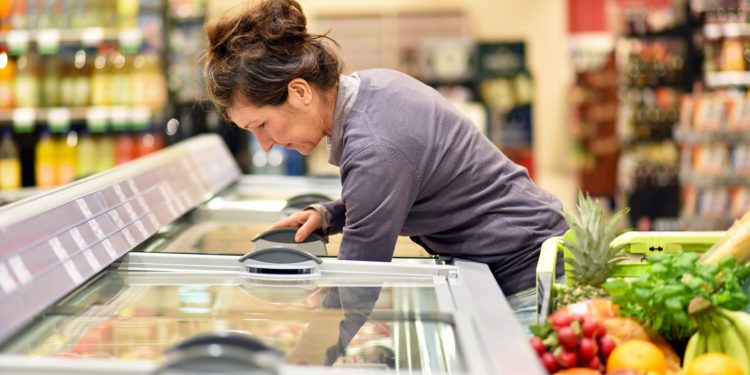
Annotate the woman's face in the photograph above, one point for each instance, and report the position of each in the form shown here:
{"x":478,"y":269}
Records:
{"x":298,"y":124}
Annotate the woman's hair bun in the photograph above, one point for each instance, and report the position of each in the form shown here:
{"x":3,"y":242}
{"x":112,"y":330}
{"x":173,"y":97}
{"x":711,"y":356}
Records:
{"x":281,"y":24}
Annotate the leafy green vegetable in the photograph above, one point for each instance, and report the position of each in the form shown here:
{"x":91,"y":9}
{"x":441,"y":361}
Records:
{"x":660,"y":297}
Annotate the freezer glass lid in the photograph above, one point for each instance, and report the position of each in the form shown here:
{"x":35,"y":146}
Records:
{"x":223,"y":237}
{"x":333,"y":321}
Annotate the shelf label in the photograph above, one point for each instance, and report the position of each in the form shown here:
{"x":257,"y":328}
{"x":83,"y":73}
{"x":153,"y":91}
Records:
{"x":130,"y":211}
{"x":141,"y":229}
{"x":92,"y":36}
{"x":117,"y":219}
{"x":109,"y":249}
{"x":96,"y":119}
{"x":93,"y":262}
{"x":97,"y":229}
{"x":142,"y":203}
{"x":59,"y":119}
{"x":48,"y":41}
{"x":18,"y":42}
{"x":129,"y":237}
{"x":119,"y":193}
{"x":23,"y":119}
{"x":78,"y":239}
{"x":132,"y":186}
{"x":6,"y":280}
{"x":153,"y":221}
{"x":19,"y":269}
{"x":130,"y":40}
{"x":58,"y":248}
{"x":84,"y":208}
{"x":73,"y":272}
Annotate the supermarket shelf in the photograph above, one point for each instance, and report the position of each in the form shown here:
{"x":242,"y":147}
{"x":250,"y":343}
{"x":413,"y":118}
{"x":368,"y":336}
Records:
{"x":672,"y":32}
{"x":718,"y":79}
{"x":90,"y":36}
{"x":704,"y":224}
{"x":726,"y":30}
{"x":689,"y":136}
{"x":64,"y":115}
{"x":714,"y":181}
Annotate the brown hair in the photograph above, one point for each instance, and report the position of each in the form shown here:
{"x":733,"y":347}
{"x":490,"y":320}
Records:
{"x":258,"y":52}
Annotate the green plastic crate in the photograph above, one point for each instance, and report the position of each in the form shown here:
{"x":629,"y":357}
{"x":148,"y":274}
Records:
{"x":637,"y":246}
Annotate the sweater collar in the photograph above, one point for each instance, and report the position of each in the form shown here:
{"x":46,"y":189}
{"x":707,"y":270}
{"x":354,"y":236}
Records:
{"x":347,"y":94}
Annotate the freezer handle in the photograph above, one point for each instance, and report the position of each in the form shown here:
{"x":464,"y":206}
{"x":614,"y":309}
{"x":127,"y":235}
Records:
{"x":221,"y":352}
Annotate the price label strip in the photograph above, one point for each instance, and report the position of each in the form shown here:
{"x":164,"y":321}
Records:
{"x":19,"y":269}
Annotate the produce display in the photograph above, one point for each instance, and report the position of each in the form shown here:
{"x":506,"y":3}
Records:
{"x":676,"y":312}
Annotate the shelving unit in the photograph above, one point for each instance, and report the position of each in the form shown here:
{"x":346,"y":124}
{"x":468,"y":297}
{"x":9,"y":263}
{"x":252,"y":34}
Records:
{"x":658,"y":66}
{"x":713,"y":127}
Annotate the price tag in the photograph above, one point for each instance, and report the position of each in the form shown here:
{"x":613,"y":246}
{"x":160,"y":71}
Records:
{"x":19,"y":269}
{"x":6,"y":280}
{"x":141,"y":229}
{"x":109,"y":249}
{"x":96,"y":120}
{"x":130,"y":211}
{"x":153,"y":221}
{"x":84,"y":208}
{"x":48,"y":41}
{"x":130,"y":40}
{"x":18,"y":42}
{"x":97,"y":229}
{"x":73,"y":272}
{"x":132,"y":186}
{"x":59,"y":119}
{"x":142,"y":203}
{"x":93,"y":262}
{"x":92,"y":36}
{"x":120,"y":194}
{"x":78,"y":239}
{"x":58,"y":248}
{"x":23,"y":119}
{"x":117,"y":219}
{"x":129,"y":237}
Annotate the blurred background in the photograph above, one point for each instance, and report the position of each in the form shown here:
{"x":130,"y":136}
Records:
{"x":640,"y":103}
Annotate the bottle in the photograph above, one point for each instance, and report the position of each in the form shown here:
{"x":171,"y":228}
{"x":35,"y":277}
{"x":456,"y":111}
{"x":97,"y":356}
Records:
{"x":147,"y":140}
{"x":45,"y":161}
{"x":26,"y":84}
{"x":121,"y":80}
{"x":5,"y":8}
{"x":127,"y":13}
{"x":125,"y":150}
{"x":10,"y":163}
{"x":86,"y":155}
{"x":50,"y":88}
{"x":7,"y":75}
{"x":66,"y":144}
{"x":82,"y":81}
{"x":101,"y":77}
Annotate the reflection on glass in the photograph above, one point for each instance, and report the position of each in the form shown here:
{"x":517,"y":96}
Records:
{"x":235,"y":238}
{"x":138,"y":316}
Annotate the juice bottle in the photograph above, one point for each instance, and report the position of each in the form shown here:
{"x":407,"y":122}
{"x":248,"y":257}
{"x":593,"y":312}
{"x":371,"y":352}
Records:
{"x":82,"y":62}
{"x":101,"y":77}
{"x":5,"y":15}
{"x":26,"y":84}
{"x":66,"y":145}
{"x":51,"y":81}
{"x":10,"y":163}
{"x":124,"y":146}
{"x":46,"y":161}
{"x":86,"y":155}
{"x":148,"y":140}
{"x":7,"y":75}
{"x":127,"y":13}
{"x":121,"y":79}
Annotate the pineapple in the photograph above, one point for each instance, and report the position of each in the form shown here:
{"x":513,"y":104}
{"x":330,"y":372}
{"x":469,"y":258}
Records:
{"x":592,"y":256}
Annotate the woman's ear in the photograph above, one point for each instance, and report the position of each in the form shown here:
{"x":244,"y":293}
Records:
{"x":300,"y":93}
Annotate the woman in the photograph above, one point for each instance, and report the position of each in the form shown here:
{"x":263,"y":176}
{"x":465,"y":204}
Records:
{"x":411,"y":164}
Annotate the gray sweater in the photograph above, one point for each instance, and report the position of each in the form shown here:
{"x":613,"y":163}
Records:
{"x":413,"y":165}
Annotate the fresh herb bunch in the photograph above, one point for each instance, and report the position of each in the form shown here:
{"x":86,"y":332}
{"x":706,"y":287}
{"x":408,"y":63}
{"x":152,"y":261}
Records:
{"x":659,"y":298}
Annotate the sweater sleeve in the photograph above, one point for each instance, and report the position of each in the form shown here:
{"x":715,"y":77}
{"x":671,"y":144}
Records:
{"x":379,"y":188}
{"x":334,"y":214}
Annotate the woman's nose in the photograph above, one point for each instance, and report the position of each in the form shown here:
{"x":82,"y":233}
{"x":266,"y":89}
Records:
{"x":265,"y":142}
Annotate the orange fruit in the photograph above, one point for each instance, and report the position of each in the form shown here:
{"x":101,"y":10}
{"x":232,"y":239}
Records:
{"x":638,"y":355}
{"x":714,"y":364}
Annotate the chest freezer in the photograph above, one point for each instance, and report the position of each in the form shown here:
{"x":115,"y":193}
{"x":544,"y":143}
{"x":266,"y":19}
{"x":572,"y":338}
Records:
{"x":77,"y":300}
{"x":226,"y":223}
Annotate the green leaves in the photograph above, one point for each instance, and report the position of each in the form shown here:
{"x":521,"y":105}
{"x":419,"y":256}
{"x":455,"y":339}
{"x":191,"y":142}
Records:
{"x":660,"y":297}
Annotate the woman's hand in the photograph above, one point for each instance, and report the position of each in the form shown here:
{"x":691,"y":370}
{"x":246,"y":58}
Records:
{"x":307,"y":221}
